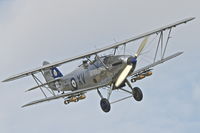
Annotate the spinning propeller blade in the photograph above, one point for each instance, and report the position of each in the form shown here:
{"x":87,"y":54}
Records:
{"x":123,"y":75}
{"x":129,"y":67}
{"x":142,"y":45}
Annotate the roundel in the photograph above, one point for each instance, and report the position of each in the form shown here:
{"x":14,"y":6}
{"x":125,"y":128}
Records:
{"x":74,"y":84}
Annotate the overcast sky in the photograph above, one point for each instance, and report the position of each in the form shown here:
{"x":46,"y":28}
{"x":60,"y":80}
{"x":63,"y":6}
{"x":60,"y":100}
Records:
{"x":36,"y":30}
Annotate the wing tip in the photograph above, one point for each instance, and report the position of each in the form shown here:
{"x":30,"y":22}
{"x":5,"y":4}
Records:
{"x":23,"y":106}
{"x":192,"y":18}
{"x":180,"y":53}
{"x":6,"y":80}
{"x":26,"y":91}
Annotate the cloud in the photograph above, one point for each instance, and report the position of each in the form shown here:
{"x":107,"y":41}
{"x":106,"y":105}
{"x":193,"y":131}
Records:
{"x":196,"y":92}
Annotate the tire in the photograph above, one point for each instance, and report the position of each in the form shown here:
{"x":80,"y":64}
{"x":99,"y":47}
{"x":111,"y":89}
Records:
{"x":105,"y":105}
{"x":137,"y":94}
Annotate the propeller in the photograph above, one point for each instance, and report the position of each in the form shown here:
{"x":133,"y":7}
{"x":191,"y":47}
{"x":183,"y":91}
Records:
{"x":130,"y":62}
{"x":142,"y":45}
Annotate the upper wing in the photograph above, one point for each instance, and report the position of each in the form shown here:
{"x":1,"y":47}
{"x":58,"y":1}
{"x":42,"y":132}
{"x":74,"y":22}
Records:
{"x":64,"y":95}
{"x":115,"y":45}
{"x":143,"y":69}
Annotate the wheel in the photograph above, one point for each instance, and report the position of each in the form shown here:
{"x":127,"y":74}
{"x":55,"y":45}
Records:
{"x":137,"y":94}
{"x":105,"y":105}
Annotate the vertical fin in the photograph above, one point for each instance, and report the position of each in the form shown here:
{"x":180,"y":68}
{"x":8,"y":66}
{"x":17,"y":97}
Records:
{"x":51,"y":74}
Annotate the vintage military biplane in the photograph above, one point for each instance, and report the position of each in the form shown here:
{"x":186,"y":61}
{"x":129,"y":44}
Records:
{"x":112,"y":72}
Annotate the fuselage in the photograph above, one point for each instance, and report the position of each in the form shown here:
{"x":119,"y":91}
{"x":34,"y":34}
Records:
{"x":103,"y":70}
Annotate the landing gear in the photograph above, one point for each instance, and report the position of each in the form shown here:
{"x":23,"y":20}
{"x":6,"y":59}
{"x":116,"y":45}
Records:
{"x":105,"y":105}
{"x":137,"y":93}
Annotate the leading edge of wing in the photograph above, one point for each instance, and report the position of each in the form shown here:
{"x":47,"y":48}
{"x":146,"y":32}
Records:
{"x":64,"y":95}
{"x":39,"y":69}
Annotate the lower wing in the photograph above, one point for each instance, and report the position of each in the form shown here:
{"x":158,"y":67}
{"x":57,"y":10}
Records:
{"x":64,"y":95}
{"x":143,"y":69}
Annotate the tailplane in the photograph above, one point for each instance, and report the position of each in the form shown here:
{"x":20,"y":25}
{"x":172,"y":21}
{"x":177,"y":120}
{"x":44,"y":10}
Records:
{"x":51,"y":74}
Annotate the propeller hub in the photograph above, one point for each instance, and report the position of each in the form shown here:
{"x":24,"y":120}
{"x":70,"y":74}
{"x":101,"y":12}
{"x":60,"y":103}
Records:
{"x":131,"y":60}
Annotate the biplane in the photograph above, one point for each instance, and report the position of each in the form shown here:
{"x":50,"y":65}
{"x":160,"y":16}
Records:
{"x":111,"y":72}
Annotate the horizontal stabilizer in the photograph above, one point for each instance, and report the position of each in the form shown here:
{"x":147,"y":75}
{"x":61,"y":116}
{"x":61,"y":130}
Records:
{"x":42,"y":85}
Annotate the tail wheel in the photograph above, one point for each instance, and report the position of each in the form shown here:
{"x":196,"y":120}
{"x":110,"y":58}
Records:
{"x":137,"y":94}
{"x":105,"y":105}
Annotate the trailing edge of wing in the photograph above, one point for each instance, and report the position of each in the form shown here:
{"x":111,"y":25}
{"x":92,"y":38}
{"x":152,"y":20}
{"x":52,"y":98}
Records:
{"x":115,"y":45}
{"x":156,"y":63}
{"x":64,"y":95}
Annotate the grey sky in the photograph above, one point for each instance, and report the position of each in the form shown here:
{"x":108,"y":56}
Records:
{"x":36,"y":30}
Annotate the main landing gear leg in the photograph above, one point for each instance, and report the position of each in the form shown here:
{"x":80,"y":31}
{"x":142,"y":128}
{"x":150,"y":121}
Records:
{"x":136,"y":92}
{"x":104,"y":103}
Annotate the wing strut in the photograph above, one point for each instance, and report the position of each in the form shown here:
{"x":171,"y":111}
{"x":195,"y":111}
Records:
{"x":160,"y":39}
{"x":161,"y":44}
{"x":168,"y":37}
{"x":37,"y":81}
{"x":40,"y":85}
{"x":115,"y":50}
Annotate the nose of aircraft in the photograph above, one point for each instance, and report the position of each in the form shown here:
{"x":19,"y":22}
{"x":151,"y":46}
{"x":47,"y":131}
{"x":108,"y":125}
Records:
{"x":131,"y":60}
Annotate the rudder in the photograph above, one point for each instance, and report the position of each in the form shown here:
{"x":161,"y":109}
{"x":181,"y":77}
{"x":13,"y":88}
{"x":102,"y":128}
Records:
{"x":51,"y":74}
